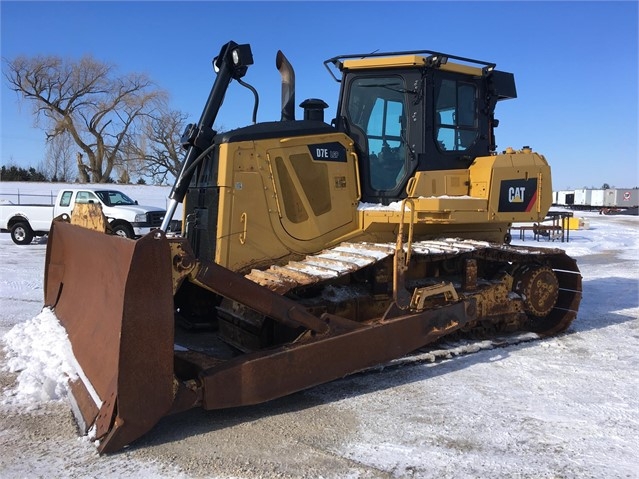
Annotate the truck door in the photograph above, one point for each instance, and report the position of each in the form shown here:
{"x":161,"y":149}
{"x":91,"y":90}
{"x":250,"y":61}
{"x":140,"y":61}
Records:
{"x":67,"y":201}
{"x":64,"y":203}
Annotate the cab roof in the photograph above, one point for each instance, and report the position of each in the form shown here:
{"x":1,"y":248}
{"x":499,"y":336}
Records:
{"x":411,"y":59}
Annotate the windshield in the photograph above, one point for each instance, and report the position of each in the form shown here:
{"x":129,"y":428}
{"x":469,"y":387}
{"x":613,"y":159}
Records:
{"x":114,"y":198}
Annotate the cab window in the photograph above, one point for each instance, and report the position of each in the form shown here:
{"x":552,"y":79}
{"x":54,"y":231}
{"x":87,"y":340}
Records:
{"x":85,"y":197}
{"x":65,"y":199}
{"x":456,"y":125}
{"x":378,"y":107}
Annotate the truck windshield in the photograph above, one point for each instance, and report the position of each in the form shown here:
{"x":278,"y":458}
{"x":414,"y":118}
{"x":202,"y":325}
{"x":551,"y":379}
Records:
{"x":114,"y":198}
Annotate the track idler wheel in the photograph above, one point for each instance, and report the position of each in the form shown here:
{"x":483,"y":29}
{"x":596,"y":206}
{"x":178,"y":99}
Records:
{"x":539,"y":289}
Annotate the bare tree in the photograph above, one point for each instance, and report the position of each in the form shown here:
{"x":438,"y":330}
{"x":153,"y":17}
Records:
{"x":157,"y":151}
{"x":85,"y":100}
{"x":58,"y":163}
{"x":83,"y":174}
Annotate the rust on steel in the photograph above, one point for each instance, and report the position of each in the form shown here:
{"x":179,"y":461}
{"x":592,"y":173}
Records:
{"x":117,"y":308}
{"x":469,"y":278}
{"x":237,"y":288}
{"x":266,"y":375}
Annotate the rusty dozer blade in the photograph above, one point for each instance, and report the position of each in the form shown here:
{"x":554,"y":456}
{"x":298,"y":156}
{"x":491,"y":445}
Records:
{"x":114,"y":298}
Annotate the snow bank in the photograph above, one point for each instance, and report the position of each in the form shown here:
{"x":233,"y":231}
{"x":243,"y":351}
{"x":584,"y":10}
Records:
{"x":40,"y":352}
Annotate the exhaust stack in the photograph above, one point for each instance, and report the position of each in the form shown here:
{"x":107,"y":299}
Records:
{"x":288,"y":86}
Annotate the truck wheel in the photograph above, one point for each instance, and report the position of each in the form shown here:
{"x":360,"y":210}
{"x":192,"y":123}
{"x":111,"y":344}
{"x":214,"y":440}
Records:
{"x":21,"y":233}
{"x":122,"y":230}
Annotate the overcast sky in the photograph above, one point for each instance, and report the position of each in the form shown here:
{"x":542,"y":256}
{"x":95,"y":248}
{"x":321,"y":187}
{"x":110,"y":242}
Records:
{"x":575,"y":63}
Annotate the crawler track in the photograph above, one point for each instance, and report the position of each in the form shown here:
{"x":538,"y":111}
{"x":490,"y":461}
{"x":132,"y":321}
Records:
{"x":441,"y":259}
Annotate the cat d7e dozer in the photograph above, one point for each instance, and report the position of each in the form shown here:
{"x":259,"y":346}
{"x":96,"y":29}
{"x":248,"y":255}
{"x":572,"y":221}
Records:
{"x":311,"y":250}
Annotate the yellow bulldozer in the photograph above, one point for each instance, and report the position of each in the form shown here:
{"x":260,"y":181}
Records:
{"x":311,"y":250}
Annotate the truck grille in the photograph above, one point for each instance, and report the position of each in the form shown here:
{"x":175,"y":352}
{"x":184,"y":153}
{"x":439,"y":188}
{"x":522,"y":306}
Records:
{"x":154,"y":218}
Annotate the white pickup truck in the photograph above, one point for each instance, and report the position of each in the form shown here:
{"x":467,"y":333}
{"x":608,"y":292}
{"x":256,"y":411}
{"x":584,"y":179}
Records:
{"x":125,"y":216}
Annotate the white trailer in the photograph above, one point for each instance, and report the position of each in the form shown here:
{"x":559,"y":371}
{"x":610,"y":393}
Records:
{"x":621,"y":198}
{"x":565,"y":197}
{"x":597,"y":198}
{"x":583,"y":197}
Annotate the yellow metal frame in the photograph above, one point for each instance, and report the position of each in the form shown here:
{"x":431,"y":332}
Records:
{"x":407,"y":61}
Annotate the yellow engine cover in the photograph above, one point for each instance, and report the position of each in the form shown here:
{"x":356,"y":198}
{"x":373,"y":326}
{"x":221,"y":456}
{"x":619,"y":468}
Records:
{"x":517,"y":185}
{"x":291,"y":197}
{"x":282,"y":197}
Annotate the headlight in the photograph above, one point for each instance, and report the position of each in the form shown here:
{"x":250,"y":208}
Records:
{"x":141,"y":218}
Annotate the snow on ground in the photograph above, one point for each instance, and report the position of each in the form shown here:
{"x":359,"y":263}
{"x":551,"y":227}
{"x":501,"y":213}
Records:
{"x":41,"y":353}
{"x":564,"y":407}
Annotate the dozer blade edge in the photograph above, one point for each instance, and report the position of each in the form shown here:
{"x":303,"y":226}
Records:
{"x":114,"y":298}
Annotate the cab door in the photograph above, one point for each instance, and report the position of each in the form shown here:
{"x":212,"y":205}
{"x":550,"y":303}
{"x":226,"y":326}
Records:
{"x":377,"y":114}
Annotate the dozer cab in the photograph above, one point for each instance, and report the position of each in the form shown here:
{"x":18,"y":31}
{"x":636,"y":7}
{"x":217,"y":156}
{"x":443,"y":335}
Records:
{"x":311,"y":250}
